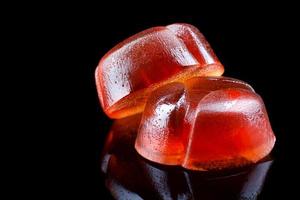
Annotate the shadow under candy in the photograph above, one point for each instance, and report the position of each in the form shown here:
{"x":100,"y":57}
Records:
{"x":130,"y":176}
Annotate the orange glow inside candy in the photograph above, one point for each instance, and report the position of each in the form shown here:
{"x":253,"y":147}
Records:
{"x":130,"y":71}
{"x":205,"y":123}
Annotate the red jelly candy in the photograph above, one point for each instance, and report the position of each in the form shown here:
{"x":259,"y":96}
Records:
{"x":130,"y":71}
{"x":205,"y":123}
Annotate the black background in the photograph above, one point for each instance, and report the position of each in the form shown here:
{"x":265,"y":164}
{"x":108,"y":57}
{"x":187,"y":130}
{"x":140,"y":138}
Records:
{"x":256,"y":44}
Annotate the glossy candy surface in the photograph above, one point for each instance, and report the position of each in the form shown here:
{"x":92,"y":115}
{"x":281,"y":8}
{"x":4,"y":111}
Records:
{"x":205,"y":123}
{"x":130,"y":71}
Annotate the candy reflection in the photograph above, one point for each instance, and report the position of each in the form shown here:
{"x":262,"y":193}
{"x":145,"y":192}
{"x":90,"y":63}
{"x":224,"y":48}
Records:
{"x":129,"y":176}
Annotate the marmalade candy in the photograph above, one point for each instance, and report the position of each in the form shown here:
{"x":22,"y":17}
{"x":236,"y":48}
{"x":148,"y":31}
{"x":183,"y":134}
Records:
{"x":188,"y":114}
{"x":205,"y":123}
{"x":131,"y":70}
